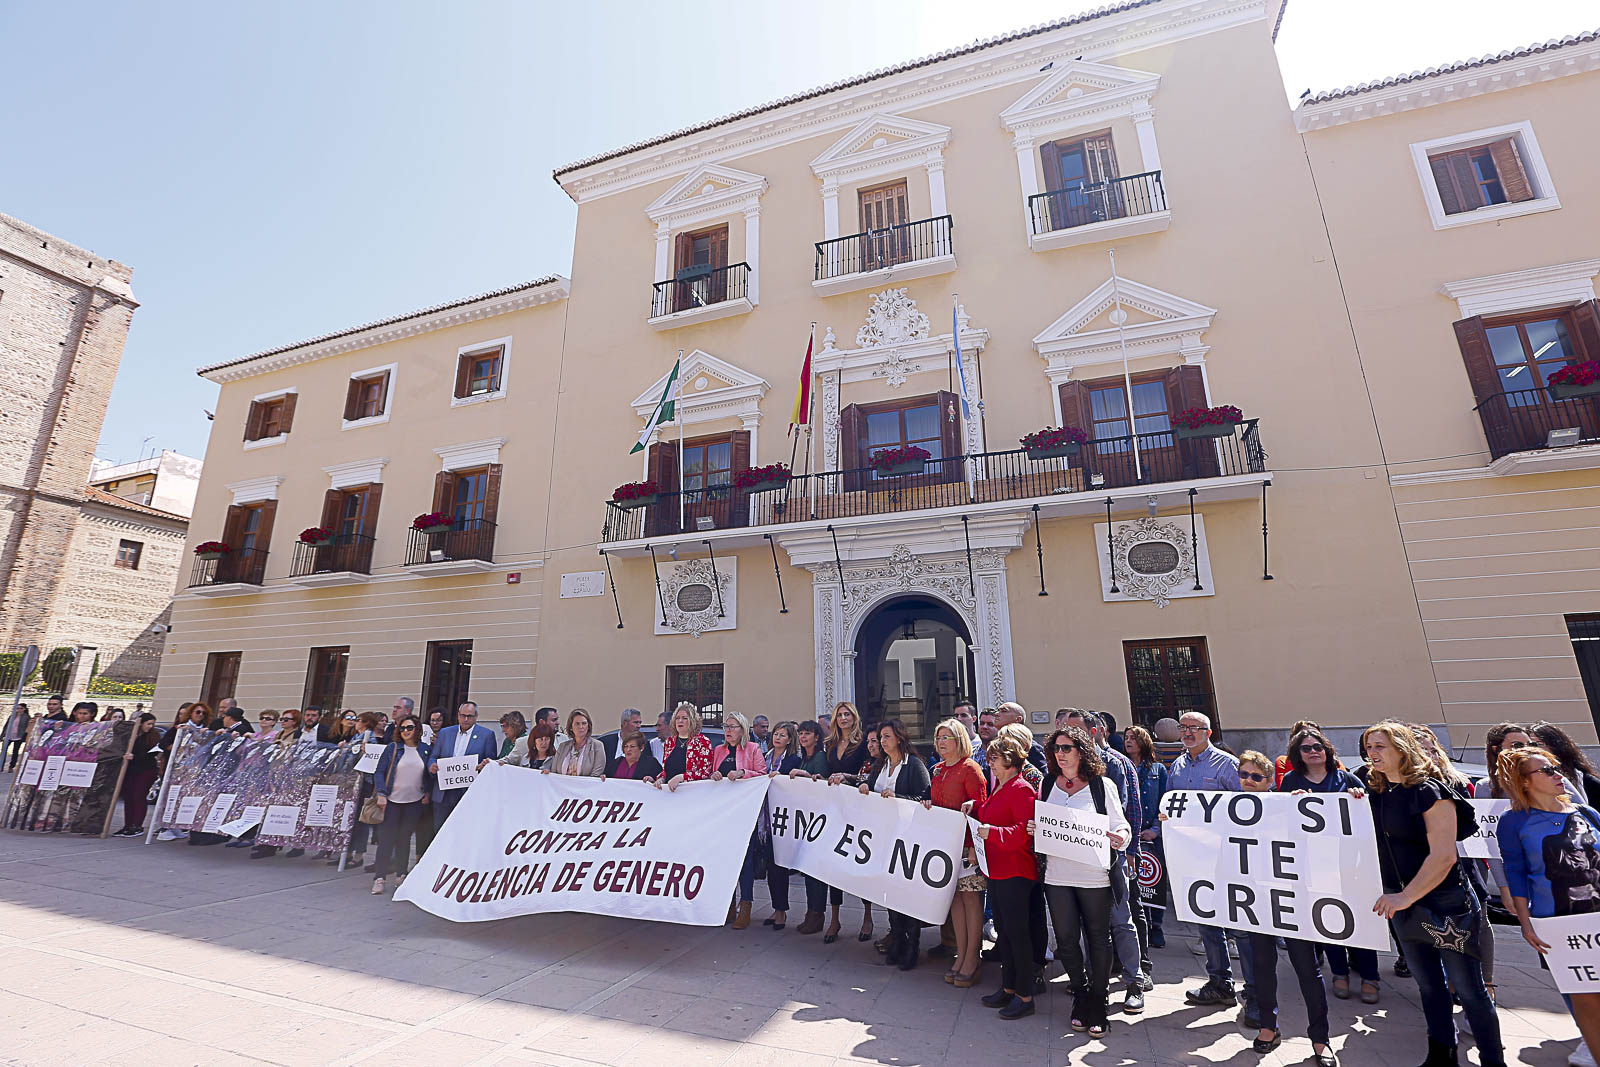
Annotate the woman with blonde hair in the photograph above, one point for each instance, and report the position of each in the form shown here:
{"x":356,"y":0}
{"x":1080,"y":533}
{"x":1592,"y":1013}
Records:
{"x":957,"y":778}
{"x":582,"y":754}
{"x":846,"y":750}
{"x":1013,"y":870}
{"x":1418,"y":825}
{"x":686,"y":753}
{"x":739,"y":757}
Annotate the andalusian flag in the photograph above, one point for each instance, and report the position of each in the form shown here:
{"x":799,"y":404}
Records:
{"x":666,"y":409}
{"x":801,"y":416}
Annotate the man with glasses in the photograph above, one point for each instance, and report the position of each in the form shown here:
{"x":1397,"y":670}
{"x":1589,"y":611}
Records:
{"x":465,"y":738}
{"x":1204,"y":766}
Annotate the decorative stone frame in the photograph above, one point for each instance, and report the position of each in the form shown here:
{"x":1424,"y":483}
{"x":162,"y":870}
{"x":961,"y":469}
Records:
{"x":739,"y":399}
{"x":502,"y":343}
{"x":393,"y":371}
{"x":1560,"y":285}
{"x":356,"y":473}
{"x":280,"y":437}
{"x":1158,"y":589}
{"x":699,"y":572}
{"x":469,"y":455}
{"x":255,"y":490}
{"x":708,"y":194}
{"x":1544,"y":188}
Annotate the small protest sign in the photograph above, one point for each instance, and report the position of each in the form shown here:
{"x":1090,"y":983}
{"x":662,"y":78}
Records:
{"x":457,"y":772}
{"x":1072,"y":833}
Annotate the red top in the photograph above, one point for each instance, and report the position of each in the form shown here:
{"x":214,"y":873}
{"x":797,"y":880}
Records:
{"x":697,"y":764}
{"x":953,"y":786}
{"x":1009,"y":846}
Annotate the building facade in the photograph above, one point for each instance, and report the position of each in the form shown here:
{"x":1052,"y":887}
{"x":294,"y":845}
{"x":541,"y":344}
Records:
{"x":1028,"y":233}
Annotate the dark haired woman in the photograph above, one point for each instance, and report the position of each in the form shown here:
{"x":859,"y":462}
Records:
{"x":900,"y":774}
{"x":542,"y":746}
{"x":1080,"y":894}
{"x":813,"y":763}
{"x":403,"y":785}
{"x":1140,"y":747}
{"x":1574,"y":765}
{"x":140,"y":776}
{"x":1013,"y":870}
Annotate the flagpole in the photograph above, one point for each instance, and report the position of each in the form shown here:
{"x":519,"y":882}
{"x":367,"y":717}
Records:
{"x":677,"y":409}
{"x":961,"y":369}
{"x":1121,"y":318}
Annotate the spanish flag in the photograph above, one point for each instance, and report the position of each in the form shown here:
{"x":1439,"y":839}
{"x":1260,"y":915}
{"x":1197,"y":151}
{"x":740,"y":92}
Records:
{"x":801,"y":416}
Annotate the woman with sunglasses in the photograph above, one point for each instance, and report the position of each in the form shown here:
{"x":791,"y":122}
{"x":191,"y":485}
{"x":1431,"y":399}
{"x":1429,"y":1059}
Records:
{"x":1548,"y":844}
{"x":403,"y":785}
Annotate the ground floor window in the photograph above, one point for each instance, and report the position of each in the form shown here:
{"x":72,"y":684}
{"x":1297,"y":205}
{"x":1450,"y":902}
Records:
{"x":222,"y":675}
{"x":325,"y":673}
{"x":1169,"y":677}
{"x":446,"y":675}
{"x":1585,"y":633}
{"x":699,"y":684}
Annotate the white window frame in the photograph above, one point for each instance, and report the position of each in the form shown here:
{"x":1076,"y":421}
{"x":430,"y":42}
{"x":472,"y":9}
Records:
{"x":1544,"y":188}
{"x":268,"y":442}
{"x":503,"y":343}
{"x":392,"y":370}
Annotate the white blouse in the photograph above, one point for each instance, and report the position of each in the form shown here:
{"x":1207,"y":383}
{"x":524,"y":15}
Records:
{"x":1067,"y":872}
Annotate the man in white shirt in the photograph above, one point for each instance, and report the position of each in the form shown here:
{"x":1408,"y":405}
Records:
{"x":465,"y":738}
{"x":760,"y":733}
{"x":663,"y":728}
{"x":551,"y":716}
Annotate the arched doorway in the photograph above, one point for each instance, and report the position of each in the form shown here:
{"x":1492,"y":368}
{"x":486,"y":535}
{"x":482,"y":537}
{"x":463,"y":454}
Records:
{"x":913,"y":662}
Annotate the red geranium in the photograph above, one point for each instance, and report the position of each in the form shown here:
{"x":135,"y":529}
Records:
{"x":313,"y":535}
{"x":635,"y":490}
{"x":1577,"y":374}
{"x":1054,"y":438}
{"x":885,"y":458}
{"x":1194,"y":418}
{"x":206,"y":548}
{"x":429,"y":519}
{"x":773,"y":472}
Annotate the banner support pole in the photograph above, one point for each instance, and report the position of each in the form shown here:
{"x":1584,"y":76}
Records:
{"x":166,"y":784}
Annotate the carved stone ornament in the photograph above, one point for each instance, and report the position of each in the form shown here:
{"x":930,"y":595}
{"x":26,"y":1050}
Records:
{"x":1151,"y":559}
{"x":893,"y":319}
{"x":896,"y":368}
{"x":690,"y":593}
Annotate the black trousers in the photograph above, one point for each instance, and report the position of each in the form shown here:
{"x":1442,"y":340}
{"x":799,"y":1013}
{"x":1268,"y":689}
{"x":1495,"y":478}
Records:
{"x":778,"y":885}
{"x":16,"y":751}
{"x":1303,"y":956}
{"x":1038,"y":930}
{"x":820,"y":894}
{"x":394,"y":836}
{"x":1012,"y":900}
{"x":1083,"y":915}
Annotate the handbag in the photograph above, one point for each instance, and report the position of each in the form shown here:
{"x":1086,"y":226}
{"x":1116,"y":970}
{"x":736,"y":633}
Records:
{"x":371,"y":811}
{"x":1444,"y":931}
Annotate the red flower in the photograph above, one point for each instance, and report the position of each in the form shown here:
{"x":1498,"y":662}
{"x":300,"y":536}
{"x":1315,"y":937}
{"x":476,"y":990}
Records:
{"x":1054,"y":438}
{"x":1577,"y":374}
{"x":885,"y":458}
{"x":206,"y":548}
{"x":775,"y":472}
{"x":1194,"y":418}
{"x":430,"y":519}
{"x":312,"y":535}
{"x":635,"y":490}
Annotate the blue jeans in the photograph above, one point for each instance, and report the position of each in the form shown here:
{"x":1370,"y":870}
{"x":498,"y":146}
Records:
{"x":1215,"y":940}
{"x":1431,"y":967}
{"x":1247,"y":972}
{"x":747,"y":872}
{"x":1342,"y":959}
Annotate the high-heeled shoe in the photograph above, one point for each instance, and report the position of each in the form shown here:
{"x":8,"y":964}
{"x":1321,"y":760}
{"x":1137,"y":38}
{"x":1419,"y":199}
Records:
{"x":1264,"y":1047}
{"x":831,"y":934}
{"x":1326,"y":1058}
{"x":866,"y":932}
{"x":777,"y":920}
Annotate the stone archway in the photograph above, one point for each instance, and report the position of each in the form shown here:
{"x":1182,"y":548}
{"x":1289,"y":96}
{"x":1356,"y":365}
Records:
{"x":914,"y":661}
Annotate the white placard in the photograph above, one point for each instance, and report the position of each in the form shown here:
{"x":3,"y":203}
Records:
{"x":457,"y":772}
{"x":1485,"y":844}
{"x":885,"y":850}
{"x":170,"y":816}
{"x":1574,"y":955}
{"x":248,"y":818}
{"x":78,"y":774}
{"x":522,"y":842}
{"x":188,"y":808}
{"x":218,"y":812}
{"x":583,"y":583}
{"x":281,"y":820}
{"x":1302,"y":866}
{"x":979,"y":850}
{"x":31,"y":769}
{"x":52,"y":773}
{"x":370,"y":755}
{"x":322,"y":805}
{"x":1072,"y":834}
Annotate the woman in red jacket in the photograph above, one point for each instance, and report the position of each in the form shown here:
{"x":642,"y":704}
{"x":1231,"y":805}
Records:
{"x":1012,"y":872}
{"x":686,"y":755}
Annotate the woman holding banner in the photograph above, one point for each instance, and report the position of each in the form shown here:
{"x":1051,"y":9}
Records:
{"x":900,"y":774}
{"x":403,"y":785}
{"x":1552,"y":865}
{"x":957,"y":778}
{"x":1080,"y":894}
{"x":542,"y":747}
{"x":1013,"y":872}
{"x":139,"y":777}
{"x":783,"y":758}
{"x":813,"y":764}
{"x":1418,"y":825}
{"x":739,"y":757}
{"x":686,"y":755}
{"x":634,"y":762}
{"x":846,"y":750}
{"x":581,"y":754}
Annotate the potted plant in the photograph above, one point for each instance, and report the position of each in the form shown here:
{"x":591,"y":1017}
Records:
{"x":316,"y":536}
{"x":432,"y":522}
{"x":1206,"y":422}
{"x":1051,"y":443}
{"x":636,"y":494}
{"x":210,"y":550}
{"x":907,"y":460}
{"x":759,"y":479}
{"x":1574,"y":380}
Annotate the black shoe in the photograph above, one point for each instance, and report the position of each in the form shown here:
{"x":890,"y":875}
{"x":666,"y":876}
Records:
{"x":1401,"y":968}
{"x":1211,"y":993}
{"x":1326,"y":1058}
{"x":941,"y":951}
{"x":998,"y":999}
{"x":1133,"y":1003}
{"x":989,"y":955}
{"x":294,"y":852}
{"x":371,"y":868}
{"x":892,"y":951}
{"x":261,"y":852}
{"x":909,"y":951}
{"x":1264,"y":1047}
{"x":1440,"y":1055}
{"x":1017,"y":1009}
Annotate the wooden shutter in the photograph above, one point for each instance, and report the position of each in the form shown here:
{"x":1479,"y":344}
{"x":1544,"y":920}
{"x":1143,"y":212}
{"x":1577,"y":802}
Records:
{"x":741,"y":451}
{"x":1586,"y":324}
{"x":252,"y":421}
{"x":491,"y":493}
{"x":1444,"y":181}
{"x":852,"y":447}
{"x":233,"y":525}
{"x":739,"y":507}
{"x":683,"y":251}
{"x":1513,"y":175}
{"x":332,"y":509}
{"x":286,"y":418}
{"x":1186,"y":388}
{"x":352,"y":400}
{"x":463,"y":374}
{"x":1101,"y":156}
{"x":444,"y":491}
{"x":383,"y":392}
{"x":662,"y":469}
{"x":719,"y":247}
{"x":1473,"y":341}
{"x":369,"y":521}
{"x":1050,"y":157}
{"x":269,"y":510}
{"x":1075,"y":410}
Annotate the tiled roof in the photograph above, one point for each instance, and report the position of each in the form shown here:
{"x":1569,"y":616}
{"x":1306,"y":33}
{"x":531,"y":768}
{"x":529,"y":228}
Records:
{"x":100,"y":496}
{"x":1451,"y":68}
{"x":535,"y":284}
{"x":938,"y":57}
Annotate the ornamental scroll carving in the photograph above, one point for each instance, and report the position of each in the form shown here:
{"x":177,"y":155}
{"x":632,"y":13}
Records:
{"x":893,"y":319}
{"x":690,"y":593}
{"x":1163,"y":560}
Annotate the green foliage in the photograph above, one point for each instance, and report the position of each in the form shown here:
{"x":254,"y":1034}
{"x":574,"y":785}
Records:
{"x":110,"y":687}
{"x":57,"y":668}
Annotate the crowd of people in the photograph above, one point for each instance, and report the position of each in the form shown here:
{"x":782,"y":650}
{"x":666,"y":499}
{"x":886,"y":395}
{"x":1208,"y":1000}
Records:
{"x":993,"y":768}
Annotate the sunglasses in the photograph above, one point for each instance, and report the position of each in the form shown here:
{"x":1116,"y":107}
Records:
{"x":1065,"y":748}
{"x":1312,"y":748}
{"x":408,"y":727}
{"x":1251,"y":777}
{"x":1547,"y":770}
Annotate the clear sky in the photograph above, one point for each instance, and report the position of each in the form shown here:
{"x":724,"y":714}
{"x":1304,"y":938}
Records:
{"x":277,"y":170}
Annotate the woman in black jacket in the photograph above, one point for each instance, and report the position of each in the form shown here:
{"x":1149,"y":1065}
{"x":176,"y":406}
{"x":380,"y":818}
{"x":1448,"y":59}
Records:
{"x":900,"y":774}
{"x":140,"y":776}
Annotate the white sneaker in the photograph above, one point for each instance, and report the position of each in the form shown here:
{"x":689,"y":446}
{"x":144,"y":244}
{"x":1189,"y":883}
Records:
{"x":377,"y":887}
{"x":170,"y":835}
{"x":1581,"y":1056}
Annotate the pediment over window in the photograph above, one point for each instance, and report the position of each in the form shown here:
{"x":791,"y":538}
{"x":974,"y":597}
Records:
{"x":1157,"y":323}
{"x":881,"y":141}
{"x":1078,"y":94}
{"x":709,"y":388}
{"x":705,"y":191}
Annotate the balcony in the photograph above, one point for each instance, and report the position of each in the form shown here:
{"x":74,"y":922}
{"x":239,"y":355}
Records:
{"x":347,"y":558}
{"x":893,"y":254}
{"x":237,"y":571}
{"x":1122,"y":207}
{"x":1102,"y":468}
{"x":465,"y":547}
{"x":1518,"y":424}
{"x":700,"y":294}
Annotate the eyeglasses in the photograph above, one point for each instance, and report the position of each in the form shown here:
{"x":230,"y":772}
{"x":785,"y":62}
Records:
{"x":1252,"y":777}
{"x":408,"y":727}
{"x":349,"y":718}
{"x":1517,"y":744}
{"x":1547,"y":770}
{"x":1065,"y":748}
{"x":1185,"y":728}
{"x":1313,"y":747}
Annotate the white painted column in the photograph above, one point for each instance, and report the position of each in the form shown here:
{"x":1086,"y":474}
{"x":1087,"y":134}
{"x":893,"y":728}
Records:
{"x":752,"y":423}
{"x":830,"y":426}
{"x":663,"y":251}
{"x":1144,"y":124}
{"x":1029,"y":178}
{"x":830,"y":210}
{"x":936,"y":201}
{"x":752,"y":254}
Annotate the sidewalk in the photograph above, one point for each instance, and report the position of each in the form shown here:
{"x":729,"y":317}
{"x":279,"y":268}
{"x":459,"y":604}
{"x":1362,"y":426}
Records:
{"x":118,"y":953}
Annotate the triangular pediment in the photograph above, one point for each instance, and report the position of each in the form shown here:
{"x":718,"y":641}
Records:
{"x":704,"y":379}
{"x":705,"y":185}
{"x":881,"y":136}
{"x":1150,"y":311}
{"x":1079,"y":87}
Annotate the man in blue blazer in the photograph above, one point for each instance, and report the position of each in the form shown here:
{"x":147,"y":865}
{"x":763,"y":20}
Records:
{"x":465,"y":738}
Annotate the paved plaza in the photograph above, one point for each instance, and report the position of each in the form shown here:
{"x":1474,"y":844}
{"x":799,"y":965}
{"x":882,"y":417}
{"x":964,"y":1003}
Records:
{"x":118,"y":953}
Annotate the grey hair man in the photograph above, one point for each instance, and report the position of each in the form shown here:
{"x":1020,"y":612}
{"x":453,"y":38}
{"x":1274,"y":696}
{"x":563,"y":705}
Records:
{"x":1204,"y":766}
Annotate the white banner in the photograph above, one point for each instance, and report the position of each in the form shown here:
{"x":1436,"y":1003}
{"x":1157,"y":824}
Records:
{"x":891,"y":852}
{"x":324,"y":802}
{"x":218,"y":813}
{"x":1574,"y":955}
{"x":1072,"y":834}
{"x":1485,"y":844}
{"x":457,"y":772}
{"x":1302,"y":866}
{"x":249,"y":818}
{"x":188,"y":808}
{"x":521,"y":842}
{"x":980,"y":851}
{"x":370,"y":755}
{"x":281,"y":820}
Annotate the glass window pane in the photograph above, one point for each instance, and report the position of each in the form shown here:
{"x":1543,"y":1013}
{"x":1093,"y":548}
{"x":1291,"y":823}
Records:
{"x":719,"y":457}
{"x":883,"y":428}
{"x":1549,"y":339}
{"x":1106,"y":404}
{"x":1506,"y":345}
{"x":922,"y":423}
{"x":1149,"y":424}
{"x":1149,"y":398}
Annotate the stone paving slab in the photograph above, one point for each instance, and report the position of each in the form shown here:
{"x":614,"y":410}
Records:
{"x":113,"y":952}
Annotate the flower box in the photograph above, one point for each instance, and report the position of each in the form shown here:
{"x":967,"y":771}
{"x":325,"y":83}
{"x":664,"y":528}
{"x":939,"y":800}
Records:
{"x":636,"y":501}
{"x":210,"y":550}
{"x":761,"y":479}
{"x":1191,"y":433}
{"x":316,"y":536}
{"x":1206,"y":422}
{"x":631,"y":495}
{"x":1575,"y":380}
{"x":894,"y":461}
{"x":1053,"y":452}
{"x":1053,"y":443}
{"x":432,"y":522}
{"x":1565,"y":391}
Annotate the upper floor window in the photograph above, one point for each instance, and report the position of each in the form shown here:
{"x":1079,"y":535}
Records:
{"x":368,"y":396}
{"x":1487,"y":174}
{"x":1528,"y":350}
{"x":271,"y":416}
{"x":471,"y":492}
{"x":128,"y":553}
{"x":931,"y":422}
{"x":481,"y":371}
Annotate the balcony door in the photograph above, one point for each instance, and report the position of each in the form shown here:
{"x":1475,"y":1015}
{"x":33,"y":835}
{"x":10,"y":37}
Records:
{"x":446,"y":677}
{"x":1078,"y":175}
{"x":1527,"y":350}
{"x":701,"y":274}
{"x":1100,"y":407}
{"x":247,"y":532}
{"x":352,"y":515}
{"x":883,"y":208}
{"x":705,"y":479}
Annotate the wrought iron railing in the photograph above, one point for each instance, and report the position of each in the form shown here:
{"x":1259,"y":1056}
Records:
{"x":246,"y":566}
{"x":346,"y":552}
{"x":697,"y":287}
{"x":1521,"y":420}
{"x":462,"y":540}
{"x":888,"y":247}
{"x":1100,"y":464}
{"x":1062,"y":209}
